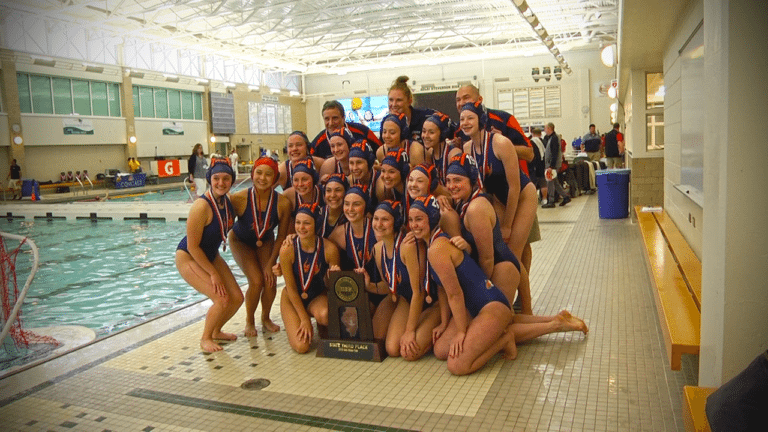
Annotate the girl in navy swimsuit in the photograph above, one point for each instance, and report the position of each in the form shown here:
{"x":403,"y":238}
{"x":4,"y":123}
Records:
{"x":304,"y":264}
{"x":437,"y":134}
{"x":394,"y":173}
{"x":361,"y":170}
{"x":340,"y":142}
{"x":305,"y":188}
{"x":298,"y":149}
{"x":499,"y":171}
{"x":394,"y":135}
{"x":480,"y":228}
{"x":197,"y":256}
{"x":332,"y":213}
{"x":402,"y":269}
{"x":480,"y":311}
{"x":356,"y":238}
{"x":259,"y":210}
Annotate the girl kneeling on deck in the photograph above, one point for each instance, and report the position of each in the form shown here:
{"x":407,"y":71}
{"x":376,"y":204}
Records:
{"x":304,"y":264}
{"x":198,"y":259}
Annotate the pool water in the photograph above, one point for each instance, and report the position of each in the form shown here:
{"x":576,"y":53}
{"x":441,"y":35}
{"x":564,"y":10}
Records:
{"x":179,"y":195}
{"x":105,"y":275}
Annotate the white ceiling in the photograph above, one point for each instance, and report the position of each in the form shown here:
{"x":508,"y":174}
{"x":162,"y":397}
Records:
{"x":313,"y":36}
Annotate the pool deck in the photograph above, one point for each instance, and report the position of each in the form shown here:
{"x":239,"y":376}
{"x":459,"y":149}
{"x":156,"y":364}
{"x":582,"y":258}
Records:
{"x":82,"y":204}
{"x":617,"y":378}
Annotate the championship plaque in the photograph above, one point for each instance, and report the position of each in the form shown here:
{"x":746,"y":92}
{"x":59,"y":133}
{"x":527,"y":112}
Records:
{"x":350,"y":329}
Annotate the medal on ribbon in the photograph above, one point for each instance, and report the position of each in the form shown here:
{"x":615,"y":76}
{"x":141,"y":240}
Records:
{"x":390,"y":272}
{"x":484,"y":168}
{"x":360,"y":258}
{"x":305,"y":266}
{"x":224,"y":228}
{"x":260,"y":225}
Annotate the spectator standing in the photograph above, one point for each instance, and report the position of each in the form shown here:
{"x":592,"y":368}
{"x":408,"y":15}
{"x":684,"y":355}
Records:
{"x":552,"y":161}
{"x":14,"y":180}
{"x":536,"y":167}
{"x":197,"y":166}
{"x":590,"y":143}
{"x":614,"y":148}
{"x":233,"y":160}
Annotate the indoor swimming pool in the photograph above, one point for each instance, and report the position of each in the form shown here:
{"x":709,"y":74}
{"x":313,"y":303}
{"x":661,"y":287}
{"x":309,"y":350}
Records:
{"x":105,"y":275}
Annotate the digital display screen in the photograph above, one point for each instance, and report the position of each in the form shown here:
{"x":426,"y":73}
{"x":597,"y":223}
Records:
{"x":366,"y":110}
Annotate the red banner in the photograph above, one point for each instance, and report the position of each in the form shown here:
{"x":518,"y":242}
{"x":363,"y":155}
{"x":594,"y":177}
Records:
{"x":168,"y":168}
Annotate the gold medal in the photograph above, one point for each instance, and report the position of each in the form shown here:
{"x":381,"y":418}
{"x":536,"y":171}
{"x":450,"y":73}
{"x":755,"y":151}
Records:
{"x":429,"y":299}
{"x":304,"y":296}
{"x":259,"y":243}
{"x":394,"y":298}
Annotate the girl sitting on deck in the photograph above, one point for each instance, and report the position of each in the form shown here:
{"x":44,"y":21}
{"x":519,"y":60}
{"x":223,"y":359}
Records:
{"x":304,"y":264}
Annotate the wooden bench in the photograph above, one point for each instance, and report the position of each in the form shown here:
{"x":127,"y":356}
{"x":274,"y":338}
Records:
{"x":694,"y":404}
{"x":675,"y":272}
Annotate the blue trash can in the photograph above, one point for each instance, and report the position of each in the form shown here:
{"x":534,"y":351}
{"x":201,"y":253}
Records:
{"x":29,"y":186}
{"x":613,"y":193}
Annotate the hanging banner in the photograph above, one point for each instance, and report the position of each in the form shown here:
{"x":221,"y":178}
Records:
{"x":173,"y":128}
{"x":78,"y":126}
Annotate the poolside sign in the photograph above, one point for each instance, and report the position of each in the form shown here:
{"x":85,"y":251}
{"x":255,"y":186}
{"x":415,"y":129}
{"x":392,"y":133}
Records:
{"x":168,"y":168}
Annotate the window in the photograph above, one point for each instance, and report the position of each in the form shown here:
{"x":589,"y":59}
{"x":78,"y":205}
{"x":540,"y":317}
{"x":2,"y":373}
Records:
{"x":157,"y":102}
{"x":62,"y":96}
{"x":40,"y":94}
{"x":654,"y":94}
{"x":42,"y":98}
{"x":654,"y":114}
{"x":654,"y":134}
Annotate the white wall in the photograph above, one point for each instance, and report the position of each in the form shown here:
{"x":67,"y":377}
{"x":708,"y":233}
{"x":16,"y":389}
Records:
{"x":577,"y":90}
{"x":149,"y":137}
{"x":688,"y":216}
{"x":734,"y":328}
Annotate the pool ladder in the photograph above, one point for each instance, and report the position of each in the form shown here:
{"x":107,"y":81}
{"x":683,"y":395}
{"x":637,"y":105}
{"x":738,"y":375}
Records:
{"x":187,"y":183}
{"x":23,"y":294}
{"x":82,"y":186}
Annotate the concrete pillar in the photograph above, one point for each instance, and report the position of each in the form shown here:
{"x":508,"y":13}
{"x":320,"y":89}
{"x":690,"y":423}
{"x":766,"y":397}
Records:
{"x":734,"y":323}
{"x":128,"y":113}
{"x":12,"y":107}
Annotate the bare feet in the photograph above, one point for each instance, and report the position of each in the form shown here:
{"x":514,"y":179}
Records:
{"x":269,"y":325}
{"x":224,"y":336}
{"x":569,"y":322}
{"x":510,"y":348}
{"x":250,"y":330}
{"x":209,"y":346}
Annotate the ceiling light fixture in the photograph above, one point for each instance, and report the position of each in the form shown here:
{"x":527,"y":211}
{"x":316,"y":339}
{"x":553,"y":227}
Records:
{"x":542,"y":34}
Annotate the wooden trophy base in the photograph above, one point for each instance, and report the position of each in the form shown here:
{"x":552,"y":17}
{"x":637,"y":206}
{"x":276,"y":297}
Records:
{"x":352,"y":350}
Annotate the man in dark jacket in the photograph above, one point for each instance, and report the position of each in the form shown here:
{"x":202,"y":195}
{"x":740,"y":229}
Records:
{"x":552,"y":161}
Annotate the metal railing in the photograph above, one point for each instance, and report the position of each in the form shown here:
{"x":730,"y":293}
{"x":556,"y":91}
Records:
{"x":20,"y":301}
{"x":186,"y":187}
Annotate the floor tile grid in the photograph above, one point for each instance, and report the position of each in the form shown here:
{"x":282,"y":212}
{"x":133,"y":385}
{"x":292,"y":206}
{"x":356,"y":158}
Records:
{"x":617,"y":317}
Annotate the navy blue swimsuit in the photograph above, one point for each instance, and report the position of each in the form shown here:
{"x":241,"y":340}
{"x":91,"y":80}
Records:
{"x":243,"y":227}
{"x":501,"y":251}
{"x":478,"y":290}
{"x":319,"y":200}
{"x":316,"y":284}
{"x":212,"y":235}
{"x":325,"y":229}
{"x":364,"y":256}
{"x":494,"y":176}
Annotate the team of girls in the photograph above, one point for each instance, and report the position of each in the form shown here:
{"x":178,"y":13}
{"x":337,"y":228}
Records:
{"x":433,"y":223}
